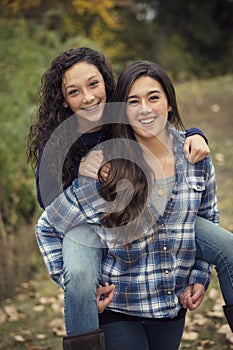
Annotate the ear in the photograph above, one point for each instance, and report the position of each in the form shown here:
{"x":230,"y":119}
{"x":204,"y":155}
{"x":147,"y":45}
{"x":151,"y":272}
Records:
{"x":65,"y":104}
{"x":169,"y":108}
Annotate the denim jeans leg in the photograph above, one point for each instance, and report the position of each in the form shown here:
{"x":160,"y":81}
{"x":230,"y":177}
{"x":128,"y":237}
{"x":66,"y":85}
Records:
{"x":215,"y":245}
{"x":164,"y":335}
{"x":125,"y":335}
{"x":82,"y":265}
{"x":144,"y":335}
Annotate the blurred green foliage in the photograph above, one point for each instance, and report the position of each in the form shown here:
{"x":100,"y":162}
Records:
{"x":21,"y":60}
{"x":26,"y":50}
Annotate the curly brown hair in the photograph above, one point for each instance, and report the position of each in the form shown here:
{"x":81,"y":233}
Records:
{"x":51,"y":112}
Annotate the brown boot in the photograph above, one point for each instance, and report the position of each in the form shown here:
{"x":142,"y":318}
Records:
{"x":85,"y":341}
{"x":228,"y":311}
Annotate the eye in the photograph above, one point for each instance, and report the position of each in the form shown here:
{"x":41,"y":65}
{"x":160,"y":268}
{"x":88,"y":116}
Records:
{"x":73,"y":92}
{"x":133,"y":102}
{"x":154,"y":97}
{"x":94,"y":83}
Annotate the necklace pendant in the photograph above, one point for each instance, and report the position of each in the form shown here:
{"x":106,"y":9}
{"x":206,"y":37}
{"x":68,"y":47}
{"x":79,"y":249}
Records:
{"x":160,"y":192}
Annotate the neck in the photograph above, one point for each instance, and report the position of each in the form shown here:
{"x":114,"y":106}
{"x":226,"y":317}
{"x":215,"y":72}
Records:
{"x":85,"y":126}
{"x":159,"y":145}
{"x":158,"y":153}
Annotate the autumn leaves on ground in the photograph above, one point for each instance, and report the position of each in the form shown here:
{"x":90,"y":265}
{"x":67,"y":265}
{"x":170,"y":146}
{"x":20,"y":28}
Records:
{"x":33,"y":319}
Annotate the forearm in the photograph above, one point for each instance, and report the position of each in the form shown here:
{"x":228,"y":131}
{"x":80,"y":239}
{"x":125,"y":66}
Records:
{"x":50,"y":245}
{"x":200,"y":273}
{"x":209,"y":205}
{"x":48,"y":185}
{"x":58,"y":218}
{"x":193,"y":131}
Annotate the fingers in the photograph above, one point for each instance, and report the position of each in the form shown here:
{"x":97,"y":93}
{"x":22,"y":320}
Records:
{"x":198,"y":293}
{"x":104,"y":296}
{"x":186,"y":149}
{"x":192,"y":296}
{"x":184,"y":297}
{"x":195,"y":148}
{"x":195,"y":301}
{"x":194,"y":305}
{"x":197,"y":155}
{"x":105,"y":171}
{"x":90,"y":165}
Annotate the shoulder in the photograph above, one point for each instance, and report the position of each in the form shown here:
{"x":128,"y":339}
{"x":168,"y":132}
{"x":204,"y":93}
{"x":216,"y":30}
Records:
{"x":178,"y":135}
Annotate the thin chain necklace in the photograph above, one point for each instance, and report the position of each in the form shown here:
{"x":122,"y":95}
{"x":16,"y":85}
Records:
{"x":161,"y":190}
{"x":98,"y":141}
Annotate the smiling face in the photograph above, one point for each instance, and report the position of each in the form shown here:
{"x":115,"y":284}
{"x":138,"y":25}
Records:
{"x":83,"y":89}
{"x":147,"y":107}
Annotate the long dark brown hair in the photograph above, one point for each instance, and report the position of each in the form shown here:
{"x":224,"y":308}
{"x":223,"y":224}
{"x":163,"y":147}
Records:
{"x":132,"y":166}
{"x":51,"y":112}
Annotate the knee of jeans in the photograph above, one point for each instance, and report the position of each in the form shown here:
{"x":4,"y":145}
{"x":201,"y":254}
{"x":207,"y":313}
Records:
{"x":88,"y":275}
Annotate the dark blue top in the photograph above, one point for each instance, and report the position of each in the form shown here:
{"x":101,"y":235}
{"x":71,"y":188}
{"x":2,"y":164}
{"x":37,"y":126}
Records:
{"x":52,"y":186}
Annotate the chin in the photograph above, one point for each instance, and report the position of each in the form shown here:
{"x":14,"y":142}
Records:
{"x":148,"y":134}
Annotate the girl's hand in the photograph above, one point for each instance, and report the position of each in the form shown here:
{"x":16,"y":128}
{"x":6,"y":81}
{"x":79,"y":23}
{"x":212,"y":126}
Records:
{"x":192,"y":296}
{"x":104,"y":296}
{"x":195,"y":148}
{"x":90,"y":164}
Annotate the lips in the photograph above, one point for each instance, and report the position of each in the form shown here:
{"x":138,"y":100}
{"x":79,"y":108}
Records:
{"x":147,"y":121}
{"x":92,"y":108}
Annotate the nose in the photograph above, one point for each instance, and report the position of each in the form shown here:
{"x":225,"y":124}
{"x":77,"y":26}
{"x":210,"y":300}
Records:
{"x":145,"y":109}
{"x":87,"y":97}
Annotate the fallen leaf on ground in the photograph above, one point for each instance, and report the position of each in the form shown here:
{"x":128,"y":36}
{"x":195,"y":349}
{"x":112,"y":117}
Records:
{"x":19,"y":338}
{"x":190,"y":336}
{"x":58,"y":327}
{"x":3,"y":317}
{"x":12,"y":313}
{"x":38,"y":308}
{"x":199,"y":320}
{"x":229,"y":336}
{"x":41,"y":336}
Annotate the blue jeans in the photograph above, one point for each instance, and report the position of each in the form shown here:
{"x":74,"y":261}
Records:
{"x":82,"y":265}
{"x":146,"y":335}
{"x":81,"y":271}
{"x":215,"y":245}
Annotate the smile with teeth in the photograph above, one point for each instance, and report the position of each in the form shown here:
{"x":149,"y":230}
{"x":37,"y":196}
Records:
{"x":147,"y":121}
{"x":91,"y":108}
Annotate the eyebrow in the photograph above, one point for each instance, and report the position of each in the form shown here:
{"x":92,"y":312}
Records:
{"x":149,"y":93}
{"x":73,"y":85}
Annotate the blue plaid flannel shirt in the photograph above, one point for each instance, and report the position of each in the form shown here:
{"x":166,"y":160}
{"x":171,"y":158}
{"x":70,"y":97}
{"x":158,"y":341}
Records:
{"x":151,"y":273}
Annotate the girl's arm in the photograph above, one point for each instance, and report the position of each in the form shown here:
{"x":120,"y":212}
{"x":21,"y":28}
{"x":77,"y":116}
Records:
{"x":196,"y":145}
{"x":58,"y":218}
{"x":195,"y":149}
{"x":195,"y":131}
{"x":105,"y":295}
{"x":209,"y":205}
{"x":48,"y":187}
{"x":192,"y":296}
{"x":208,"y":209}
{"x":50,"y":244}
